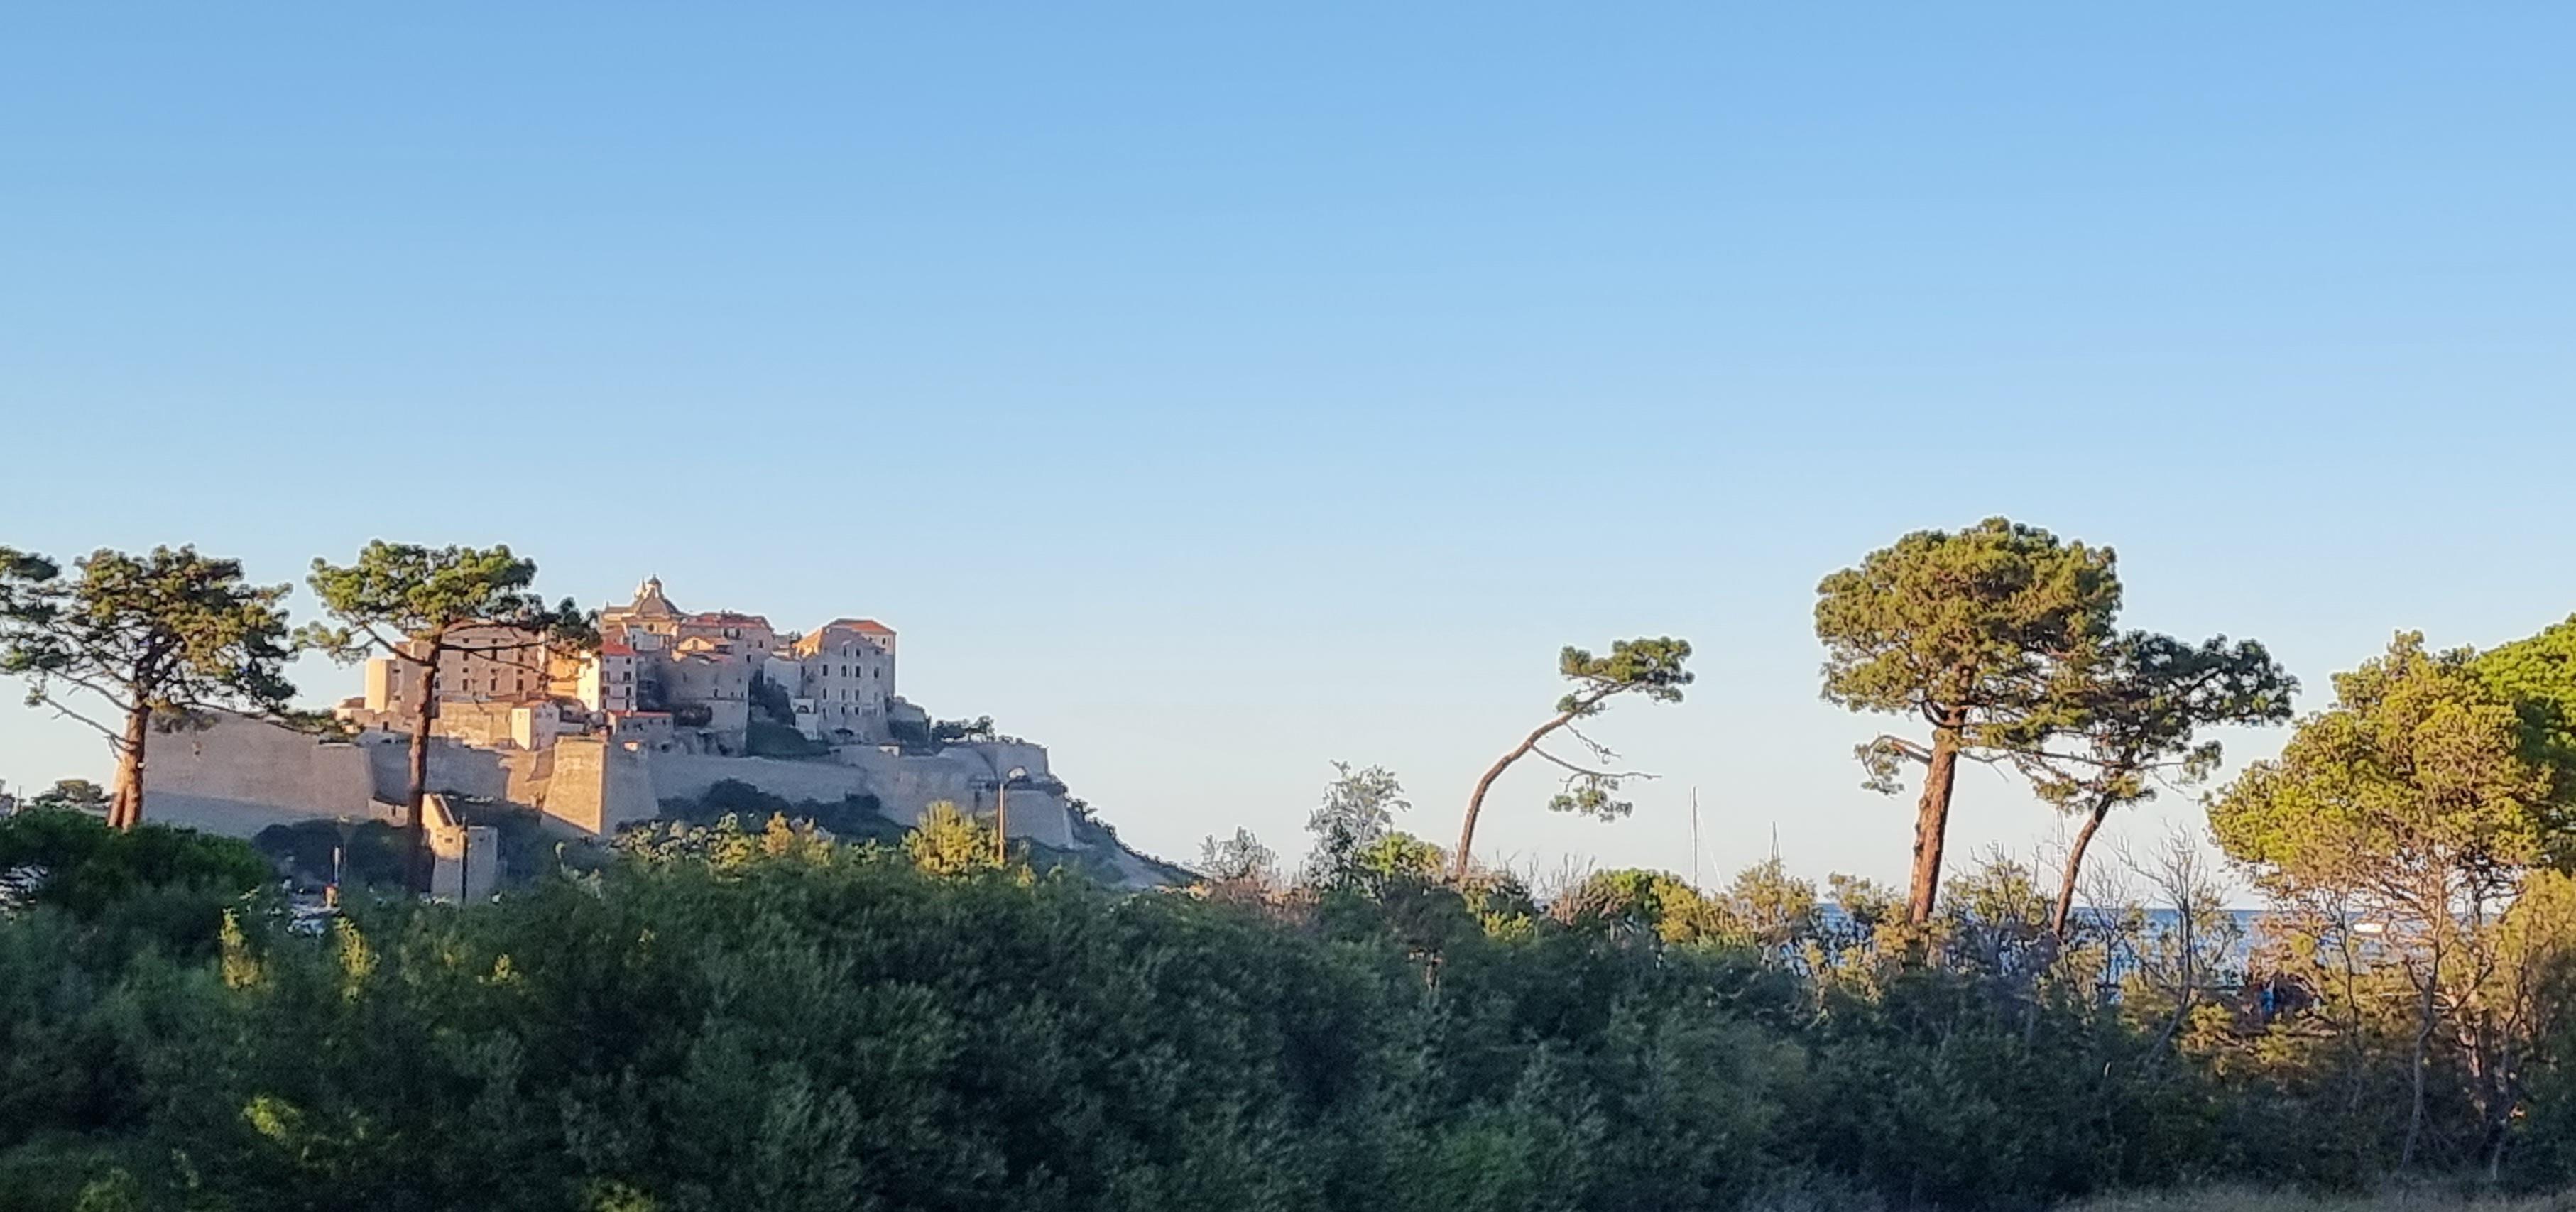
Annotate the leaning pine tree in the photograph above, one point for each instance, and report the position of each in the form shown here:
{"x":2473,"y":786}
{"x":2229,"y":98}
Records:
{"x":1651,"y":668}
{"x":2141,"y":710}
{"x":157,"y":640}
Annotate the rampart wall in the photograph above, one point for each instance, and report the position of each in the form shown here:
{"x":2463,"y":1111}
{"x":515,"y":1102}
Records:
{"x":247,"y":761}
{"x":239,"y":776}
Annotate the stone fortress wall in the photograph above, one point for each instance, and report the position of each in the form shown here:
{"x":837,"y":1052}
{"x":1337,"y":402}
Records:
{"x":240,"y":776}
{"x":246,"y":761}
{"x":596,"y":741}
{"x":905,"y":784}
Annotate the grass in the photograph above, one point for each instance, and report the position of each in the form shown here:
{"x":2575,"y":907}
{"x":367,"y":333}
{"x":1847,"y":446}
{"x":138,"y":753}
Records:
{"x":2257,"y":1199}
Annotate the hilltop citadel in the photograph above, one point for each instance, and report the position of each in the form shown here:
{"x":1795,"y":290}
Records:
{"x":663,"y":678}
{"x":668,"y":705}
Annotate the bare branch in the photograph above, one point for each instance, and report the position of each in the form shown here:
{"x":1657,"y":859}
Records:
{"x":82,"y":682}
{"x":391,"y":648}
{"x":115,"y":738}
{"x":1600,"y":752}
{"x":1903,"y":748}
{"x":1597,"y":774}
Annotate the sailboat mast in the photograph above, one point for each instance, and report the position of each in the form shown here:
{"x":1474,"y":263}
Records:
{"x":1694,"y":837}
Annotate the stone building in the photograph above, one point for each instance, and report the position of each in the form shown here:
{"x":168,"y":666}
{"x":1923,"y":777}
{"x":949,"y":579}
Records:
{"x":465,"y":860}
{"x":705,"y":668}
{"x":845,"y":680}
{"x":497,"y":686}
{"x":605,"y":683}
{"x":698,"y":668}
{"x":662,"y":676}
{"x":598,"y":741}
{"x":487,"y":664}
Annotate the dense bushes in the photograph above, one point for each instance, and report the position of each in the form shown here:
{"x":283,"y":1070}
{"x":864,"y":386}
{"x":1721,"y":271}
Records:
{"x":364,"y":853}
{"x":857,"y":816}
{"x":769,"y":1019}
{"x":797,"y":1024}
{"x":170,"y":885}
{"x":765,"y":739}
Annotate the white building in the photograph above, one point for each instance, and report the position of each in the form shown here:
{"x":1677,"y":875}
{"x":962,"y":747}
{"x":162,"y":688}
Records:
{"x":607,"y":680}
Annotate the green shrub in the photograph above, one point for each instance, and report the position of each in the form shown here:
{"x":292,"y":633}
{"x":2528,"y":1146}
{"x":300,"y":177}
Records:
{"x":93,"y":870}
{"x":766,"y":739}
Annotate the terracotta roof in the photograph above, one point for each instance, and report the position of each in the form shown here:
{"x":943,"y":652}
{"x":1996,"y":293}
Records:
{"x":869,"y":626}
{"x":613,"y":648}
{"x":727,"y":616}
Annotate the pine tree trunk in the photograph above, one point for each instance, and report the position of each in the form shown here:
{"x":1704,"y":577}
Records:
{"x":415,"y":797}
{"x":2074,"y":869}
{"x":2487,"y":1056}
{"x":2423,"y":1037}
{"x":2499,"y":1135}
{"x":125,"y":802}
{"x":2495,"y":1103}
{"x":1476,"y":800}
{"x":1932,"y":823}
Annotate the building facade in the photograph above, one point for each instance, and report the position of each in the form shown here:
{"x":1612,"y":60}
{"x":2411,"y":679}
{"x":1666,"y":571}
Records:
{"x":845,"y":681}
{"x":483,"y":664}
{"x":717,"y":671}
{"x":662,"y":676}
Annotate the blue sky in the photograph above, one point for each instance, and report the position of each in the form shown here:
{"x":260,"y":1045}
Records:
{"x":1214,"y":391}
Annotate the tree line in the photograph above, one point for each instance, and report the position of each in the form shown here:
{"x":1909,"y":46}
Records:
{"x":737,"y":1011}
{"x":130,"y":646}
{"x":757,"y":1014}
{"x":2001,"y":638}
{"x":2414,"y":838}
{"x":1997,"y":644}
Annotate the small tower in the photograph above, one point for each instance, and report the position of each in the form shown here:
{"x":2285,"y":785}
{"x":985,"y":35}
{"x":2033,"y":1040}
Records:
{"x":650,"y":602}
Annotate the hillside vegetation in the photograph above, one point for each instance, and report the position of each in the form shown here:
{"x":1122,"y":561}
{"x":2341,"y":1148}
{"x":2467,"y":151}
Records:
{"x":758,"y":1004}
{"x":736,"y":1018}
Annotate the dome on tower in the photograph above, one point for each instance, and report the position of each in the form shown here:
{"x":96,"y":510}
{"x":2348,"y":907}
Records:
{"x":649,"y":599}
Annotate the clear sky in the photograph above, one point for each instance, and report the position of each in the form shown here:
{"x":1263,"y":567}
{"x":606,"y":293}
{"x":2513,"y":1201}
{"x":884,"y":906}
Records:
{"x":1212,"y":391}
